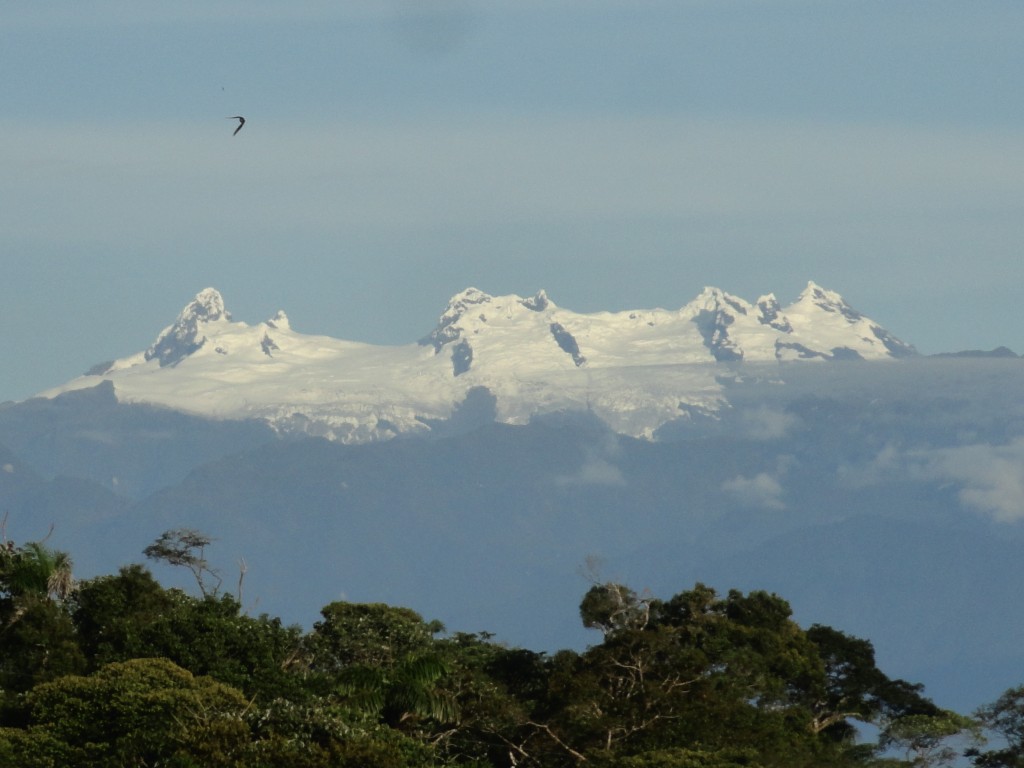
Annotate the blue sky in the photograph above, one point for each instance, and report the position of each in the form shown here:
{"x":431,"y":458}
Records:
{"x":617,"y":154}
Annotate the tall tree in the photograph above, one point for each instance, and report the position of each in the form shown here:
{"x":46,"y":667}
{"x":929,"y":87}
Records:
{"x":716,"y":675}
{"x":186,"y":548}
{"x":37,"y":640}
{"x":853,"y":687}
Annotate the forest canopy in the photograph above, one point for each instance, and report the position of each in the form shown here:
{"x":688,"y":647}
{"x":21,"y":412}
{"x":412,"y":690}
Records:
{"x":118,"y":670}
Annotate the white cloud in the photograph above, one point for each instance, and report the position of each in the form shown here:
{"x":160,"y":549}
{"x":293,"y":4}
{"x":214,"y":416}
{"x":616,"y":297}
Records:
{"x":764,"y":423}
{"x":762,"y":490}
{"x":991,"y":476}
{"x":597,"y":469}
{"x":594,"y":472}
{"x":886,"y":464}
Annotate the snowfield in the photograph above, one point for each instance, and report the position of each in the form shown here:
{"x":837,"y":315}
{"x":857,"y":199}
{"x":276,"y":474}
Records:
{"x":636,"y":370}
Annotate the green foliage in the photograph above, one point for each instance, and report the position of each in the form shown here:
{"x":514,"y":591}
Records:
{"x":1005,"y":717}
{"x":402,"y":694}
{"x":613,"y":607}
{"x":131,"y":616}
{"x":37,"y":639}
{"x":854,"y":687}
{"x":35,"y":570}
{"x":186,"y":547}
{"x":926,"y":738}
{"x":37,"y":643}
{"x":122,"y":671}
{"x":711,"y":674}
{"x":689,"y":758}
{"x":368,"y":634}
{"x":139,"y":712}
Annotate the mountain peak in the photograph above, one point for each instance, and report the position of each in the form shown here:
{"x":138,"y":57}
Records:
{"x":181,"y":339}
{"x":446,"y":329}
{"x":830,"y":301}
{"x":819,"y":308}
{"x":539,"y":302}
{"x":713,"y":299}
{"x":280,"y":321}
{"x":208,"y":305}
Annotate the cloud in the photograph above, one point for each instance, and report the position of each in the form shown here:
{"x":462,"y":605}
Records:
{"x":764,"y":423}
{"x":762,"y":490}
{"x":887,"y":464}
{"x":991,"y":476}
{"x":594,"y":472}
{"x":597,"y":469}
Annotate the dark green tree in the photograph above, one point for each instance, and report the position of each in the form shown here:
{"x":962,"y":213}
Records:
{"x":140,"y":712}
{"x":927,"y":740}
{"x":612,"y":607}
{"x":186,"y":548}
{"x":401,"y":695}
{"x":368,"y":634}
{"x":853,"y":687}
{"x":35,"y":570}
{"x":129,"y":615}
{"x":383,"y":663}
{"x":37,"y":640}
{"x":502,"y":694}
{"x":723,"y":677}
{"x":1005,"y":718}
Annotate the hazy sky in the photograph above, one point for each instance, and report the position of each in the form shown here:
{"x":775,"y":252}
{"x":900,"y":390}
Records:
{"x":620,"y":154}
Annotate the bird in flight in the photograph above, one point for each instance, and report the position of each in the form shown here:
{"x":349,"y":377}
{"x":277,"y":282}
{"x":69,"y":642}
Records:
{"x":241,"y":122}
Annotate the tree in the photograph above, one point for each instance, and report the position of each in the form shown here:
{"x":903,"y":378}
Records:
{"x":37,"y":639}
{"x":38,"y":645}
{"x":186,"y":547}
{"x":129,"y":615}
{"x":138,"y":712}
{"x":368,"y":634}
{"x":716,"y":680}
{"x":34,"y":570}
{"x":612,"y":607}
{"x":1004,"y":716}
{"x":382,"y":662}
{"x":853,"y":687}
{"x":400,"y":695}
{"x":925,"y":739}
{"x":691,"y":758}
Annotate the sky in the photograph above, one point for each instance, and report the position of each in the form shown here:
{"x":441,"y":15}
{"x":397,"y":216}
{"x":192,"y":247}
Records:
{"x":619,"y":154}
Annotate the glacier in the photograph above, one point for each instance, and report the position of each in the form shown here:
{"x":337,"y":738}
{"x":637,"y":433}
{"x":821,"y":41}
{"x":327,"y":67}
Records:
{"x":636,"y":370}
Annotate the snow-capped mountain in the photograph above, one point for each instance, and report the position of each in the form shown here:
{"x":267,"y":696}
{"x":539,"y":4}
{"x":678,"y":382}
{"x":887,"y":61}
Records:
{"x":837,"y":484}
{"x":636,"y":370}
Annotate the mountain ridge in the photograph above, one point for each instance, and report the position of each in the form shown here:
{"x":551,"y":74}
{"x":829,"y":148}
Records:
{"x":636,"y":369}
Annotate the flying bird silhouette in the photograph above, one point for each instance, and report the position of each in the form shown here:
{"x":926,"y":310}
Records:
{"x":241,"y":122}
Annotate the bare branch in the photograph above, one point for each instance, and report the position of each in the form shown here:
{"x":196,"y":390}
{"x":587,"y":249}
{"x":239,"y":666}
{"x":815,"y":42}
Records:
{"x":242,"y":570}
{"x":547,"y":729}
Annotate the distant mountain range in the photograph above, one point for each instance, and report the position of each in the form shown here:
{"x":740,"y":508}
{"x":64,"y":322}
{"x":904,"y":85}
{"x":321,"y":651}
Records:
{"x":476,"y":475}
{"x":636,"y":370}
